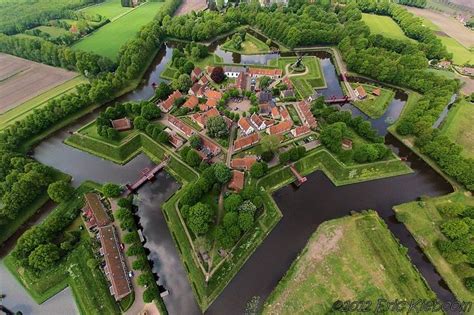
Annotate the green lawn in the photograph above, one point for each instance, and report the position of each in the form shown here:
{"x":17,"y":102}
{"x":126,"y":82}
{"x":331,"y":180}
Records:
{"x":52,"y":30}
{"x":212,"y":59}
{"x":384,"y":25}
{"x":109,"y":8}
{"x":461,"y":54}
{"x":306,"y":83}
{"x":108,"y":40}
{"x":445,"y":73}
{"x":351,"y":258}
{"x":250,"y":46}
{"x":458,"y":126}
{"x":39,"y":101}
{"x":422,"y":219}
{"x":374,"y":106}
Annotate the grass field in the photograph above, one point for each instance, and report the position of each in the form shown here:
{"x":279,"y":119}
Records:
{"x":52,"y":30}
{"x":458,"y":126}
{"x":422,"y":219}
{"x":107,"y":40}
{"x":374,"y":106}
{"x":251,"y":45}
{"x":384,"y":25}
{"x":109,"y":8}
{"x":23,"y":109}
{"x":461,"y":54}
{"x":351,"y":258}
{"x":305,"y":83}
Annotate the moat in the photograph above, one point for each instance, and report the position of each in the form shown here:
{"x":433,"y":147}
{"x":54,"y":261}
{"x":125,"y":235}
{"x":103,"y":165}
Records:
{"x":303,"y":209}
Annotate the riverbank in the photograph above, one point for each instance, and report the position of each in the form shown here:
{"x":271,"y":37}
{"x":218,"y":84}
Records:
{"x":352,"y":256}
{"x":422,"y":220}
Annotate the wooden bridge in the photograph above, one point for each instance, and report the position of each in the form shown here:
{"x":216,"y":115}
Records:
{"x":147,"y":175}
{"x":299,"y":179}
{"x":337,"y":99}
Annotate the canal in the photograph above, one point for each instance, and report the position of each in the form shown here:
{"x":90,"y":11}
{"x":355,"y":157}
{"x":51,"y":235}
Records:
{"x":304,"y":209}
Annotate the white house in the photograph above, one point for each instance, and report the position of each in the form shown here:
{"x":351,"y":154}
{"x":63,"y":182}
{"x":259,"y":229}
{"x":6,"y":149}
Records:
{"x":233,"y":71}
{"x":245,"y":126}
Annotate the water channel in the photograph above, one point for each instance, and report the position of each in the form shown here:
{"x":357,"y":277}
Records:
{"x":304,"y":209}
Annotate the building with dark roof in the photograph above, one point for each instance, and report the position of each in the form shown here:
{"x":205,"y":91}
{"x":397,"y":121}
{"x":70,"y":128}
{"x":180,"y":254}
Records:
{"x":94,"y":211}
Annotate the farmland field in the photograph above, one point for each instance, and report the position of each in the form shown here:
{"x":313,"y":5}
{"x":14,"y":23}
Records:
{"x":109,"y":8}
{"x":384,"y":25}
{"x":346,"y":259}
{"x":21,"y":80}
{"x":107,"y":40}
{"x":460,"y":53}
{"x":458,"y":126}
{"x":52,"y":31}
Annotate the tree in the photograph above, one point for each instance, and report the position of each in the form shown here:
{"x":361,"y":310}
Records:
{"x":193,"y":158}
{"x":455,"y":228}
{"x":195,"y":141}
{"x":247,"y":206}
{"x":135,"y":250}
{"x":265,"y":82}
{"x":230,"y":219}
{"x":44,"y":256}
{"x":332,"y":135}
{"x":267,"y":156}
{"x":150,"y":111}
{"x":92,"y":263}
{"x":232,"y":202}
{"x":469,"y":283}
{"x":270,"y":143}
{"x":140,"y":263}
{"x":146,"y":279}
{"x":246,"y":219}
{"x":199,"y":217}
{"x":140,"y":123}
{"x":236,"y":41}
{"x":163,"y":137}
{"x":258,"y":169}
{"x":217,"y":74}
{"x":217,"y":127}
{"x":151,"y":293}
{"x":182,"y":82}
{"x":451,"y":209}
{"x":111,"y":190}
{"x":163,"y":91}
{"x":60,"y":191}
{"x":222,"y":173}
{"x":130,"y":238}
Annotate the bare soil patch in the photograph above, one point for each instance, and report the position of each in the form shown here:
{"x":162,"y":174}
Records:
{"x":448,"y":24}
{"x":21,"y":80}
{"x":191,"y":5}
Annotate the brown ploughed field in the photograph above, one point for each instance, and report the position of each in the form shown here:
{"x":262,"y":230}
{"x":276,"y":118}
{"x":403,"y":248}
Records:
{"x":191,"y":5}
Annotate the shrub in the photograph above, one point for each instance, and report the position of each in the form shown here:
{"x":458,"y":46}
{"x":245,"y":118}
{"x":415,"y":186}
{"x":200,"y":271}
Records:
{"x":60,"y":191}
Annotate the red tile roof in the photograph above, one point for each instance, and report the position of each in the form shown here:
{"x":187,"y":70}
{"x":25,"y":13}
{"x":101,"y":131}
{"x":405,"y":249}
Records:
{"x":191,"y":102}
{"x":211,"y":146}
{"x":166,"y":105}
{"x":361,"y":91}
{"x":282,"y":127}
{"x":275,"y":113}
{"x":256,"y":120}
{"x":185,"y":129}
{"x":300,"y":130}
{"x":241,"y":82}
{"x":246,"y":141}
{"x":213,"y":94}
{"x":264,"y":71}
{"x":175,"y":141}
{"x":284,"y":114}
{"x":244,"y":124}
{"x":288,"y":82}
{"x":115,"y":267}
{"x":97,"y":209}
{"x":244,"y":163}
{"x":308,"y":118}
{"x":196,"y":74}
{"x":212,"y":102}
{"x":203,"y":107}
{"x":237,"y":181}
{"x":122,"y":124}
{"x":376,"y":92}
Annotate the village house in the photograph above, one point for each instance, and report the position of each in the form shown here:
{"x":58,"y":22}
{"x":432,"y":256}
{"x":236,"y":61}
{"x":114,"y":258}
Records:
{"x":175,"y":140}
{"x":260,"y":72}
{"x":203,"y":80}
{"x":285,"y":115}
{"x":191,"y":102}
{"x":181,"y":126}
{"x":304,"y":109}
{"x":300,"y":131}
{"x":196,"y":74}
{"x":242,"y":82}
{"x":265,"y":109}
{"x":234,"y":71}
{"x":269,"y":122}
{"x":346,"y":144}
{"x":258,"y":122}
{"x":169,"y":102}
{"x":237,"y":181}
{"x":245,"y":126}
{"x":122,"y":124}
{"x":197,"y":90}
{"x":94,"y":211}
{"x":281,"y":128}
{"x":376,"y":92}
{"x":287,"y":94}
{"x":286,"y":81}
{"x":360,"y":92}
{"x":265,"y":97}
{"x":445,"y":64}
{"x":275,"y":113}
{"x":243,"y":164}
{"x":201,"y":118}
{"x":208,"y":148}
{"x":115,"y":268}
{"x":245,"y":142}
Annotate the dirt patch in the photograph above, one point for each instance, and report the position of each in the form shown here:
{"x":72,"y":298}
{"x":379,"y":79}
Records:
{"x":21,"y":80}
{"x":240,"y":105}
{"x":448,"y":25}
{"x":191,"y":5}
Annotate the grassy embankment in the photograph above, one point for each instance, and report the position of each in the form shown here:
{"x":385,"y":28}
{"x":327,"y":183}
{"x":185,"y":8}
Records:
{"x":304,"y":83}
{"x":374,"y":106}
{"x":89,"y":286}
{"x":7,"y":229}
{"x":351,"y":258}
{"x":111,"y":9}
{"x":53,"y":31}
{"x":108,"y":40}
{"x":250,"y":46}
{"x":458,"y":126}
{"x":211,"y":60}
{"x":20,"y":111}
{"x":422,"y":220}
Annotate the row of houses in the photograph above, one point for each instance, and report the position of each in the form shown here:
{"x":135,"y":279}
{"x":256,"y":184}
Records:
{"x":96,"y":217}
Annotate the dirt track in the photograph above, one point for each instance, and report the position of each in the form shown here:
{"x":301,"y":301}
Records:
{"x":447,"y":24}
{"x":191,"y":5}
{"x":21,"y":80}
